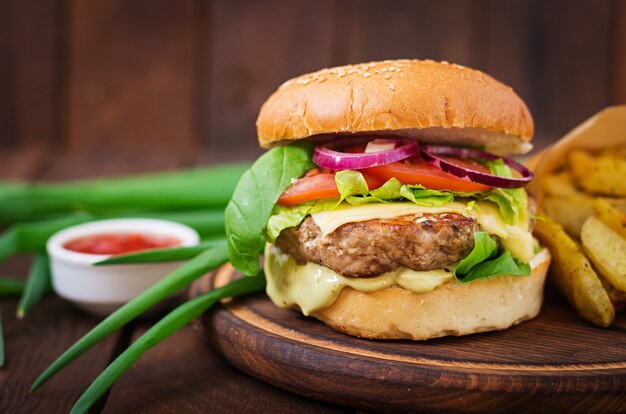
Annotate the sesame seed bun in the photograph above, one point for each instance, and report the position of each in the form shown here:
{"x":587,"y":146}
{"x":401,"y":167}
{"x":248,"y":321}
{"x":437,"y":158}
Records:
{"x":436,"y":102}
{"x":452,"y":309}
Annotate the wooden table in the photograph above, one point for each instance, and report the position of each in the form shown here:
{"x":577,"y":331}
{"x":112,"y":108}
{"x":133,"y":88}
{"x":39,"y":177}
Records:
{"x":180,"y":375}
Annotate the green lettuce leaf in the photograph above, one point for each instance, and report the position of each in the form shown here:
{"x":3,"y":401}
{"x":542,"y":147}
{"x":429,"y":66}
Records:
{"x":485,"y":261}
{"x":350,"y":183}
{"x":353,"y":189}
{"x":286,"y":217}
{"x":512,"y":202}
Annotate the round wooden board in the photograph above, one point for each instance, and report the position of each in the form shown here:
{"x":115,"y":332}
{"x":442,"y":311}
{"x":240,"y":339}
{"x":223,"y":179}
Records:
{"x":554,"y":363}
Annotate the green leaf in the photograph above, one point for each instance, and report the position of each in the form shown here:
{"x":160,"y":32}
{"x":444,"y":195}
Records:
{"x":484,"y":261}
{"x":512,"y":202}
{"x":484,"y":248}
{"x":286,"y":217}
{"x":426,"y":197}
{"x":175,"y":320}
{"x":170,"y":254}
{"x":388,"y":191}
{"x":37,"y":285}
{"x":254,"y":198}
{"x":350,"y":183}
{"x":504,"y":264}
{"x":353,"y":189}
{"x":174,"y":282}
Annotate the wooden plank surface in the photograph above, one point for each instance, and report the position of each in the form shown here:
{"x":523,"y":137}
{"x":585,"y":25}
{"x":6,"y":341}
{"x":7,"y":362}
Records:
{"x":36,"y":341}
{"x":131,"y":74}
{"x":556,"y":362}
{"x":179,"y":375}
{"x":405,"y":29}
{"x":617,"y":48}
{"x":183,"y":375}
{"x":569,"y":62}
{"x":33,"y":343}
{"x":8,"y":112}
{"x":254,"y":47}
{"x":30,"y":77}
{"x":170,"y":74}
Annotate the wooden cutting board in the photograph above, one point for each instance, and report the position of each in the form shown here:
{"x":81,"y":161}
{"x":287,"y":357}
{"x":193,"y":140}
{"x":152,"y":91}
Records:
{"x":554,"y":363}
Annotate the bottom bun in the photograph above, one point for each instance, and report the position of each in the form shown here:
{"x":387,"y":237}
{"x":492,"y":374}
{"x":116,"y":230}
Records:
{"x":452,"y":309}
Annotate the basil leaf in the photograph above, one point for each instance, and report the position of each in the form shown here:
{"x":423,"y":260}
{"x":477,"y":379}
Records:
{"x":251,"y":205}
{"x":483,"y":261}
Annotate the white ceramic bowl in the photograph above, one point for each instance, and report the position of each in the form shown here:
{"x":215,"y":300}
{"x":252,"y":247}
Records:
{"x":102,"y":289}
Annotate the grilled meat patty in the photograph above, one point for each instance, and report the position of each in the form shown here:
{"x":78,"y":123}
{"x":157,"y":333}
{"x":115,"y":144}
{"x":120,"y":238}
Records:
{"x":370,"y":248}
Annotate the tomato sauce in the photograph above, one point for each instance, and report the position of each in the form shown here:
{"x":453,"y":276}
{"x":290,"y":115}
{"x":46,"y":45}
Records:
{"x":120,"y":243}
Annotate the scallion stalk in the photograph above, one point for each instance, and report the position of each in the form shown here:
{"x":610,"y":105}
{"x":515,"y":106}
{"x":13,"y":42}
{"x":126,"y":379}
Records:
{"x":36,"y":286}
{"x":208,"y":187}
{"x":172,"y":322}
{"x":181,"y":277}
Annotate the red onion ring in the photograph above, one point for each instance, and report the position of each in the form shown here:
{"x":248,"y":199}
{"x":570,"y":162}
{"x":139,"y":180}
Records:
{"x":430,"y":155}
{"x":326,"y":157}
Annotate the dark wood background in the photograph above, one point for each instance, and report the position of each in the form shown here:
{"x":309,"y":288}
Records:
{"x":172,"y":75}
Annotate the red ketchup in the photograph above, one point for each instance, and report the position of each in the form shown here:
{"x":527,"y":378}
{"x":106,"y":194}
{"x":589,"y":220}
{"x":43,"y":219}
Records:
{"x":120,"y":243}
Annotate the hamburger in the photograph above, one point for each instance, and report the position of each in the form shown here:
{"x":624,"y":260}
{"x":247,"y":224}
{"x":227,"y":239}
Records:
{"x":408,"y":221}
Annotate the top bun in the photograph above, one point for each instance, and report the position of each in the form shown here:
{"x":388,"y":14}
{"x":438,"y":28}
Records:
{"x":435,"y":102}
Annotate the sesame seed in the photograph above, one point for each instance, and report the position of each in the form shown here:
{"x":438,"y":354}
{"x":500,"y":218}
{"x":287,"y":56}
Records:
{"x":367,"y":75}
{"x":384,"y":70}
{"x":387,"y":76}
{"x":392,"y":87}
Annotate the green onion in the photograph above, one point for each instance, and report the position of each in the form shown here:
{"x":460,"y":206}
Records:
{"x":9,"y":243}
{"x":36,"y":286}
{"x":190,"y":189}
{"x":175,"y":281}
{"x":170,"y":254}
{"x":32,"y":237}
{"x":11,"y":287}
{"x":175,"y":320}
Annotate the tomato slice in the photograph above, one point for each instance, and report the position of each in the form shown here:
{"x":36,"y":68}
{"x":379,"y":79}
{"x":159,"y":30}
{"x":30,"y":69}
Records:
{"x":419,"y":172}
{"x":320,"y":185}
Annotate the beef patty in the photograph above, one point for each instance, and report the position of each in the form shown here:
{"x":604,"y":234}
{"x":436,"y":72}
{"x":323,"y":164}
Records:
{"x":370,"y":248}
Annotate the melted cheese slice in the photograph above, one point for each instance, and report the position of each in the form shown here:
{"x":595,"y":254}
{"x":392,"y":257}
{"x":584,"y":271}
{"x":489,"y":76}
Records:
{"x":313,"y":287}
{"x":515,"y":238}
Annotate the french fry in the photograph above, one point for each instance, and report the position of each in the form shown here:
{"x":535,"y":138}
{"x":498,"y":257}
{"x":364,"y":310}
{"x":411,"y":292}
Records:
{"x":607,"y":251}
{"x":613,"y":217}
{"x":603,"y":175}
{"x":569,"y":212}
{"x":574,"y":276}
{"x":560,"y":185}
